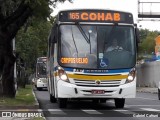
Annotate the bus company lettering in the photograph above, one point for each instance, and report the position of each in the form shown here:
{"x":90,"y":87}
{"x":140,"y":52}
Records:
{"x":95,"y":16}
{"x":74,"y":60}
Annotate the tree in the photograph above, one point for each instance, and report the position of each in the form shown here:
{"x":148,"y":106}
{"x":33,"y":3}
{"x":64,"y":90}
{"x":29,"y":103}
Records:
{"x":148,"y":41}
{"x":33,"y":43}
{"x":13,"y":15}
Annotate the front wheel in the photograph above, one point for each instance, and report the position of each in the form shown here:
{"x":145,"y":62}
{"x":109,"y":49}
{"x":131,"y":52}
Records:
{"x":39,"y":89}
{"x":62,"y":102}
{"x":119,"y":102}
{"x":52,"y":99}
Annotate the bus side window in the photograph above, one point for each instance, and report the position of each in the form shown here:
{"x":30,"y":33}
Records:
{"x":52,"y":49}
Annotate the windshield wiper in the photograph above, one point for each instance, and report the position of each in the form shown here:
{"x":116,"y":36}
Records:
{"x":74,"y":41}
{"x":83,"y":33}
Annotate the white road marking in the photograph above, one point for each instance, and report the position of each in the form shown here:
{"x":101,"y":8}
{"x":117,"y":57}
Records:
{"x":120,"y":110}
{"x":56,"y":111}
{"x":146,"y":98}
{"x":91,"y":111}
{"x":126,"y":112}
{"x":150,"y":109}
{"x":141,"y":105}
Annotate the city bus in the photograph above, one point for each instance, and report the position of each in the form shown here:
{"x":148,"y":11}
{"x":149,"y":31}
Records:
{"x":40,"y":80}
{"x":78,"y":65}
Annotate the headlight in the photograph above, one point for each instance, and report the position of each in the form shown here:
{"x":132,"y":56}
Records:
{"x":62,"y":74}
{"x":131,"y":75}
{"x":64,"y":77}
{"x":39,"y":80}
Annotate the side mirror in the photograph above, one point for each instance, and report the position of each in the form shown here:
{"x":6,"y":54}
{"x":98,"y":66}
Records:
{"x":52,"y":36}
{"x":137,"y":35}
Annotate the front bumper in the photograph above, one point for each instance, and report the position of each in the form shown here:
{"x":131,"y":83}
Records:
{"x":67,"y":90}
{"x":41,"y":85}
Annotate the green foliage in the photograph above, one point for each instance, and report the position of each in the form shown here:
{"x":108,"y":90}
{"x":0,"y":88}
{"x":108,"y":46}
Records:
{"x":41,"y":8}
{"x":13,"y":15}
{"x":148,"y":41}
{"x":9,"y":6}
{"x":33,"y":43}
{"x":23,"y":97}
{"x":143,"y":33}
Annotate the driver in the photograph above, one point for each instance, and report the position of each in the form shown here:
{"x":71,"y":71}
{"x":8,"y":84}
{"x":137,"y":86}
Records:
{"x":114,"y":46}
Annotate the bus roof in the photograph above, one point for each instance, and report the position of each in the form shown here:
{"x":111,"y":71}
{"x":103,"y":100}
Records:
{"x":95,"y":15}
{"x":41,"y":59}
{"x":93,"y":9}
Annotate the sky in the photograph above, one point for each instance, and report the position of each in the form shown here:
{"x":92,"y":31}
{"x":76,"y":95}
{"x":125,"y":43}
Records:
{"x":123,"y":5}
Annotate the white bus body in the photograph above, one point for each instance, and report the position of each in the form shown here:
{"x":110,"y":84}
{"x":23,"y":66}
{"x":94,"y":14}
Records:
{"x":78,"y":67}
{"x":40,"y":81}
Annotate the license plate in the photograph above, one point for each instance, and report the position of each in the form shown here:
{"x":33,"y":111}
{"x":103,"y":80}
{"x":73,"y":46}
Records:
{"x":97,"y":91}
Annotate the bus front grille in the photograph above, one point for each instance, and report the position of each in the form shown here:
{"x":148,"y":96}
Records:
{"x":102,"y":83}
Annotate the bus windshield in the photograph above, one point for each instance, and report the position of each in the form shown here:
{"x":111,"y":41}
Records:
{"x":41,"y":69}
{"x":97,"y":46}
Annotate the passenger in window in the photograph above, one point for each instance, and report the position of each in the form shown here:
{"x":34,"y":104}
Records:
{"x":114,"y":46}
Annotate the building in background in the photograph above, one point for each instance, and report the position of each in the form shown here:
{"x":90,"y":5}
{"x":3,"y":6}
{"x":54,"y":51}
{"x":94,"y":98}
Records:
{"x":157,"y":47}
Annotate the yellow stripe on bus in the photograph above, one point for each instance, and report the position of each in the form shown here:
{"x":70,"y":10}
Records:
{"x":94,"y":77}
{"x":89,"y":77}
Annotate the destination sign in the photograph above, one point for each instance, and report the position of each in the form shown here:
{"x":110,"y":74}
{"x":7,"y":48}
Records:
{"x":92,"y":16}
{"x":95,"y":16}
{"x":74,"y":60}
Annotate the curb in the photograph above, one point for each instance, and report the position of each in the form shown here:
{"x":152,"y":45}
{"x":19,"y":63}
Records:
{"x":148,"y":90}
{"x":19,"y":107}
{"x":37,"y":103}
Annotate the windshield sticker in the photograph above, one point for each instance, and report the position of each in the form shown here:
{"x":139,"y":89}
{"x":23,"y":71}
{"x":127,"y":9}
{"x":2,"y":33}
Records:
{"x":96,"y":71}
{"x":100,"y":55}
{"x":103,"y":61}
{"x":103,"y":64}
{"x":74,"y":60}
{"x":78,"y":70}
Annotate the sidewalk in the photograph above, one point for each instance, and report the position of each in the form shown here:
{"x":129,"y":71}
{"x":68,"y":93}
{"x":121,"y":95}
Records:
{"x":147,"y":90}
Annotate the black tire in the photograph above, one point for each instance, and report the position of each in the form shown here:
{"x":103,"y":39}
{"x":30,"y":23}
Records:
{"x":39,"y":88}
{"x":62,"y":102}
{"x":119,"y":102}
{"x":52,"y":99}
{"x":159,"y":94}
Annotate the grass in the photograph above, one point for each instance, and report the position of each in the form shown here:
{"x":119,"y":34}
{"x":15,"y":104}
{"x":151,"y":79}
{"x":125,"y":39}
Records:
{"x":23,"y":97}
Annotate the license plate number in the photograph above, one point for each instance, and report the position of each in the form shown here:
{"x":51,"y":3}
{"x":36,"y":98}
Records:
{"x":97,"y":91}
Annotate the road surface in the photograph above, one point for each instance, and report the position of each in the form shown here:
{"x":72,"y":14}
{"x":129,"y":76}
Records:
{"x":144,"y":106}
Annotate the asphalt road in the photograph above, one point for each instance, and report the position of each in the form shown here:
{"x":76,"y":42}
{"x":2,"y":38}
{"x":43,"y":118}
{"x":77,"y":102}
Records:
{"x":145,"y":106}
